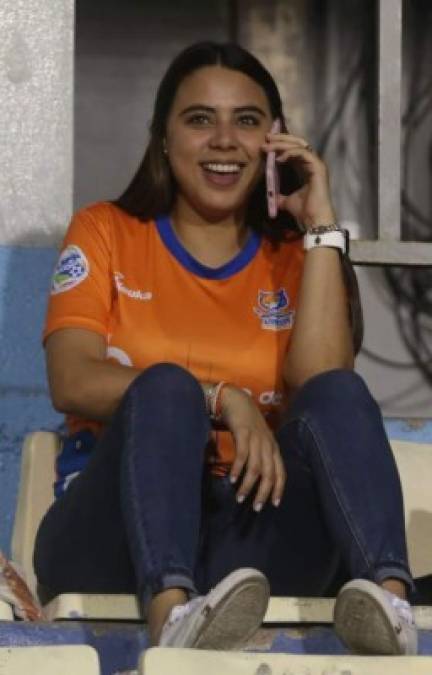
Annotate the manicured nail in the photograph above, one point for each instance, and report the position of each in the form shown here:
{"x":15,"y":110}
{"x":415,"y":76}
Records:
{"x":276,"y":502}
{"x":240,"y":499}
{"x":258,"y":507}
{"x":233,"y":479}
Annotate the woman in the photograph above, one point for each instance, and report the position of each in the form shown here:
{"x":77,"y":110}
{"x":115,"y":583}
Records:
{"x":201,"y":356}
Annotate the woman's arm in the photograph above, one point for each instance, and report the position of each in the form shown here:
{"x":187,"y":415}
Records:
{"x":322,"y":336}
{"x":82,"y":382}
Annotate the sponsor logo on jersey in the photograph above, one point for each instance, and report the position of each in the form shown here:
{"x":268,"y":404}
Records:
{"x":131,"y":293}
{"x":71,"y":269}
{"x":273,"y":310}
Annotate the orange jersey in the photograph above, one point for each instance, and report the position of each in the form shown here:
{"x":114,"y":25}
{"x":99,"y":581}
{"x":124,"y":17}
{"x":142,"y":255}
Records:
{"x":137,"y":286}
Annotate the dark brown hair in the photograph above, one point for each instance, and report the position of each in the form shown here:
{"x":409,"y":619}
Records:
{"x":152,"y":191}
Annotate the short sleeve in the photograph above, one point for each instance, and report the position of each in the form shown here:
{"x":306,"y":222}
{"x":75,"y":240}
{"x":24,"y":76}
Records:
{"x":81,"y":287}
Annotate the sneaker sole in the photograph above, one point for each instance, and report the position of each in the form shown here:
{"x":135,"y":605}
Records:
{"x":235,"y":610}
{"x":364,"y":625}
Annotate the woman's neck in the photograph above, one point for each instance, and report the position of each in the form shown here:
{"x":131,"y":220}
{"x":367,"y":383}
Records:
{"x":211,"y":243}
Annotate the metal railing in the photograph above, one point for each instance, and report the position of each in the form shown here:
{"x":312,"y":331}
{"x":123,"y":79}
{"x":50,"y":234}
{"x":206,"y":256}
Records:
{"x":388,"y":248}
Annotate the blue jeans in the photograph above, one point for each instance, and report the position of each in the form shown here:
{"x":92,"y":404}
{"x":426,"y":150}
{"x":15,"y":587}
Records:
{"x":146,"y":514}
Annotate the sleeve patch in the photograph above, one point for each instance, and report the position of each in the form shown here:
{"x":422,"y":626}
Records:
{"x":71,"y":269}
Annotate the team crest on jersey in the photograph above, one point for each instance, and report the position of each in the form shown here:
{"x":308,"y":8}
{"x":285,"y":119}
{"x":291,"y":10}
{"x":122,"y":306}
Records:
{"x":71,"y":269}
{"x":273,"y":310}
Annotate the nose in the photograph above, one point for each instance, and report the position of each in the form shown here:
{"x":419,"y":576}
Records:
{"x":224,"y":136}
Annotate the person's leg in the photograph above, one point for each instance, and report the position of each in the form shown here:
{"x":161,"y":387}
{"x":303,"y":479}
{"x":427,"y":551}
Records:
{"x":342,"y":500}
{"x":344,"y":443}
{"x":130,"y":521}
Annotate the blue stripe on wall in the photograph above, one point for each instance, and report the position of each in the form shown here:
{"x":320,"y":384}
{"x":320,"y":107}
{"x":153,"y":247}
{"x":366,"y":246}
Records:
{"x":24,"y":401}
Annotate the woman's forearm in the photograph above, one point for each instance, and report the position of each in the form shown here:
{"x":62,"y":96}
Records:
{"x":85,"y":383}
{"x":321,"y":338}
{"x":92,"y":388}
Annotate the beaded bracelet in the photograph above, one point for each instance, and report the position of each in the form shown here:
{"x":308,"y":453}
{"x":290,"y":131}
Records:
{"x":214,"y":400}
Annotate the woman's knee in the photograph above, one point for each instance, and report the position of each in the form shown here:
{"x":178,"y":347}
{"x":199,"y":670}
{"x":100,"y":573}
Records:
{"x":338,"y":390}
{"x":170,"y":382}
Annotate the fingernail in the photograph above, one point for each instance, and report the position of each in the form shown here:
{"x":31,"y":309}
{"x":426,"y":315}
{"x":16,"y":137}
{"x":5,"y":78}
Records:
{"x":276,"y":502}
{"x":233,"y":479}
{"x":258,"y":507}
{"x":240,"y":499}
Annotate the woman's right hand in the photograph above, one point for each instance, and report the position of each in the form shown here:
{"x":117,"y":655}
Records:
{"x":257,"y":452}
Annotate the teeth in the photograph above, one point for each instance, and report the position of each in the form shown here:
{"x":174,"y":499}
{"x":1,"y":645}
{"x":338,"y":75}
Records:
{"x":222,"y":168}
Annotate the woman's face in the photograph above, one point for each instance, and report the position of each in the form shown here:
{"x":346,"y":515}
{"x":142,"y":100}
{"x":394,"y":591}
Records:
{"x":215,"y":131}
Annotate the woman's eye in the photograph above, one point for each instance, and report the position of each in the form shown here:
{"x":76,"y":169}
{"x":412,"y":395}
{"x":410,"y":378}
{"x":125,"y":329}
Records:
{"x":249,"y":120}
{"x":198,"y":119}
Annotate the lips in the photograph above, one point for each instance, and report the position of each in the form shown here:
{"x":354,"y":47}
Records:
{"x":224,"y":174}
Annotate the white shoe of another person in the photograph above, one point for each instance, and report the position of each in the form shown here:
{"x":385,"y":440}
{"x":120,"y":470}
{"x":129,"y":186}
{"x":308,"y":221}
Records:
{"x":225,"y":618}
{"x":371,"y":620}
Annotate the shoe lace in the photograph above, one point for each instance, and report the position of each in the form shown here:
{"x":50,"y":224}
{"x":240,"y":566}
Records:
{"x":402,"y":607}
{"x":179,"y":611}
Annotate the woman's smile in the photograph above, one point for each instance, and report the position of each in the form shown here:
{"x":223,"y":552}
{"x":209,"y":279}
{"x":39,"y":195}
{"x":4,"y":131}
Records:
{"x":222,"y":174}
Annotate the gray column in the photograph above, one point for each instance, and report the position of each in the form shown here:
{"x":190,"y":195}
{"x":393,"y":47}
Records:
{"x":275,"y":31}
{"x":36,"y":120}
{"x":389,"y":118}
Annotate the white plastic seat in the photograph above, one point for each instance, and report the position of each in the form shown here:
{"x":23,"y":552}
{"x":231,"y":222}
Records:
{"x":160,"y":661}
{"x":48,"y":660}
{"x":5,"y":612}
{"x":36,"y":494}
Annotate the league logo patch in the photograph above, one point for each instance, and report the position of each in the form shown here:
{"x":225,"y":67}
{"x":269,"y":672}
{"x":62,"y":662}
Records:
{"x":72,"y":268}
{"x":273,"y":310}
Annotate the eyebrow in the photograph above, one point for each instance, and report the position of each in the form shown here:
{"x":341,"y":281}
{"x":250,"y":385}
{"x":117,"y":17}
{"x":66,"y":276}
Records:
{"x":206,"y":108}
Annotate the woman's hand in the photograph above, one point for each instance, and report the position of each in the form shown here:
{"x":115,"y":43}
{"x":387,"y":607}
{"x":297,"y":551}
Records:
{"x":311,"y":204}
{"x":256,"y":449}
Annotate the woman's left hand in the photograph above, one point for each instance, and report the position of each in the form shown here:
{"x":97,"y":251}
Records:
{"x":311,"y":204}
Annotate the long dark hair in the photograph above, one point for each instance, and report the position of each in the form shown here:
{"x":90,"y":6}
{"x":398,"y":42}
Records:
{"x":152,"y":190}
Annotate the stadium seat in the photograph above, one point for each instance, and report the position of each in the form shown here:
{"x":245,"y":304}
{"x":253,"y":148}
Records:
{"x":35,"y":496}
{"x":5,"y":612}
{"x":49,"y":660}
{"x":160,"y":661}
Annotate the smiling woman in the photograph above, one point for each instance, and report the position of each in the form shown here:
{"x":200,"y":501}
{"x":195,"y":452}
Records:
{"x":214,"y":137}
{"x":202,"y":351}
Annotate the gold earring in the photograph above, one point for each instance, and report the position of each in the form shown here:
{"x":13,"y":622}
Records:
{"x":164,"y":147}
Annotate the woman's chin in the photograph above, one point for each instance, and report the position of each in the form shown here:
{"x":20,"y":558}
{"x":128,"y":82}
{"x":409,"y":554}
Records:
{"x":219,"y":212}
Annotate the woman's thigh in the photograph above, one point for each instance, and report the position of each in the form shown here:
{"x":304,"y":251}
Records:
{"x":136,"y":505}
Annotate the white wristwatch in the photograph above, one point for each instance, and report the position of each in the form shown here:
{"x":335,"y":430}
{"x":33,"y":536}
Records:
{"x":334,"y":238}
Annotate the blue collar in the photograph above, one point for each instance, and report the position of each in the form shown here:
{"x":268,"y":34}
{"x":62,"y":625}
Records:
{"x":173,"y":244}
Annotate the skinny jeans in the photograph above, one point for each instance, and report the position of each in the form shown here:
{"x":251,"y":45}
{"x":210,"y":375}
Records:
{"x":146,"y":514}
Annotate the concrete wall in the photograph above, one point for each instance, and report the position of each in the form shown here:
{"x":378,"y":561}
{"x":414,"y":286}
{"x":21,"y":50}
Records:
{"x":36,"y":64}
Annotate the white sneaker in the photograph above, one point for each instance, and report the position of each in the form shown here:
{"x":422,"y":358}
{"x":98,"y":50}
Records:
{"x":371,"y":620}
{"x":225,"y":618}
